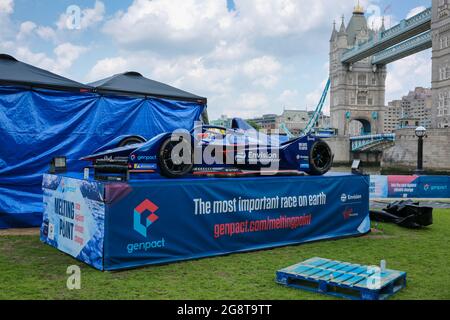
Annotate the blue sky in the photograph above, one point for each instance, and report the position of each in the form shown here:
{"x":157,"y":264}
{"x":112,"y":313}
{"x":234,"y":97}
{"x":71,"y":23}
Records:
{"x":247,"y":56}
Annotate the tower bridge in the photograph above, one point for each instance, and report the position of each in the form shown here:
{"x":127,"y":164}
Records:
{"x":358,"y":59}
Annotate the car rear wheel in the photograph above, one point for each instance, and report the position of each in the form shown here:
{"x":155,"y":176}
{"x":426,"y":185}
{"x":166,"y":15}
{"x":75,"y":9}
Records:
{"x":321,"y":158}
{"x":175,"y":168}
{"x":131,"y":140}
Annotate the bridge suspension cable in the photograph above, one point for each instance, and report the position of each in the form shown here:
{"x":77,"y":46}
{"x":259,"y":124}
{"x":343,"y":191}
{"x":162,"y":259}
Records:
{"x":318,"y":111}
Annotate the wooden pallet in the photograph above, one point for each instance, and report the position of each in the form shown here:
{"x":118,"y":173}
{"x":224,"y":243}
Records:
{"x":342,"y":279}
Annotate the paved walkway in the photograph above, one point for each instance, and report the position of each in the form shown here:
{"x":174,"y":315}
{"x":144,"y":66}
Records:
{"x":20,"y":232}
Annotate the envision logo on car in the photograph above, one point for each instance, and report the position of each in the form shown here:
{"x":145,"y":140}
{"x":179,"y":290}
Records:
{"x":344,"y":197}
{"x":262,"y":155}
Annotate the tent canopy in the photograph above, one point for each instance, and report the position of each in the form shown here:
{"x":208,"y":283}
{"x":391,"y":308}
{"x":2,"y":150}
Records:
{"x":14,"y":72}
{"x":133,"y":83}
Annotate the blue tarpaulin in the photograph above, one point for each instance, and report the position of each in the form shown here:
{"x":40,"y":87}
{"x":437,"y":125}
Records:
{"x":38,"y":124}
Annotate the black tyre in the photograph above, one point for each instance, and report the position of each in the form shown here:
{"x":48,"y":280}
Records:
{"x":320,"y":158}
{"x":167,"y":166}
{"x":131,"y":140}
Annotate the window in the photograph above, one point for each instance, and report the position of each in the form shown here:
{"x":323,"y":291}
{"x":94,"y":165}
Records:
{"x":444,"y":72}
{"x":352,"y":98}
{"x":443,"y":42}
{"x":442,"y":103}
{"x":362,"y":99}
{"x":362,"y":80}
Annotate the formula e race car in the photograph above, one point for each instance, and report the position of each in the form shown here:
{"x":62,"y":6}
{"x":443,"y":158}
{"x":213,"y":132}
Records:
{"x":214,"y":150}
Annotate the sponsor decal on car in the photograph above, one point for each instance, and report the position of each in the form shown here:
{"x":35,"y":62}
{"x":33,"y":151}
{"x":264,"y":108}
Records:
{"x":262,"y":155}
{"x":146,"y":158}
{"x":145,"y":166}
{"x":303,"y":146}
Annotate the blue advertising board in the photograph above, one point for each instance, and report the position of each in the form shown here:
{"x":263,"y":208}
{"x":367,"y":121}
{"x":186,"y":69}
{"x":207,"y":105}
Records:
{"x":74,"y":218}
{"x":160,"y":221}
{"x":419,"y":187}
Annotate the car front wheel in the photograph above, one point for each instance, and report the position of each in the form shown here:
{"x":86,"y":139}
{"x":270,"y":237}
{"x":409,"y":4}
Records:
{"x":321,"y":158}
{"x":171,"y":164}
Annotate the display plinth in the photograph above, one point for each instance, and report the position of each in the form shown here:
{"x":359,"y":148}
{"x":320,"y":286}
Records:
{"x":112,"y":226}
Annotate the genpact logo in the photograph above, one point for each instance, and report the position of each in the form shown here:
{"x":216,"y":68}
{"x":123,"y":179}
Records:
{"x":149,"y":206}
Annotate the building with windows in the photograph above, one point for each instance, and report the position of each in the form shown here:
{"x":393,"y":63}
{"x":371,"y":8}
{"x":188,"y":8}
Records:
{"x":223,"y":121}
{"x":357,"y":91}
{"x":441,"y":64}
{"x":267,"y":122}
{"x":413,"y":110}
{"x":294,"y":120}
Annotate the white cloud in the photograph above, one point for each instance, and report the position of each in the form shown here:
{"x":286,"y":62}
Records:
{"x":405,"y":74}
{"x":107,"y":67}
{"x":290,"y":99}
{"x":263,"y":71}
{"x":285,"y":17}
{"x":38,"y":59}
{"x":89,"y":17}
{"x":250,"y":104}
{"x":201,"y":47}
{"x":29,"y":28}
{"x":26,"y":28}
{"x":262,"y":57}
{"x":6,"y":6}
{"x":415,"y":11}
{"x":191,"y":24}
{"x":64,"y":56}
{"x":46,"y":33}
{"x":186,"y":24}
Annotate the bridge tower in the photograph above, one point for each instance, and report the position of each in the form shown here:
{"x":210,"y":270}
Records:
{"x":357,"y":91}
{"x":440,"y":28}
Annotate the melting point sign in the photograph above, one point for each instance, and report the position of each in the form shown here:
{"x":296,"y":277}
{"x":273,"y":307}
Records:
{"x":145,"y":207}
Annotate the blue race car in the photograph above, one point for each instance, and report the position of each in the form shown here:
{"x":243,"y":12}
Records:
{"x":215,"y":150}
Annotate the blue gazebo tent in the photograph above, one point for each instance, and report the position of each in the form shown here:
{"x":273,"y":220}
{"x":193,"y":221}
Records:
{"x":43,"y":115}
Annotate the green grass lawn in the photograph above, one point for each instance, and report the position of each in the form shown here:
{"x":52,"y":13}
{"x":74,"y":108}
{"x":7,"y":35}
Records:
{"x":31,"y":270}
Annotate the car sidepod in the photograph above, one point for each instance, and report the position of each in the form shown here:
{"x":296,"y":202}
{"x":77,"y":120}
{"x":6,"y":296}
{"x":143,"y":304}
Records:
{"x":145,"y":158}
{"x":295,"y":154}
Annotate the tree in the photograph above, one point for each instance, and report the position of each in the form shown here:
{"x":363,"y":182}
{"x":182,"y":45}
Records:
{"x":254,"y":124}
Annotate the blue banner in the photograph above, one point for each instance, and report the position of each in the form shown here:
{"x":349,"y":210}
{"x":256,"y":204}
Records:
{"x":419,"y":187}
{"x":36,"y":125}
{"x":74,"y":218}
{"x":164,"y":221}
{"x":160,"y":221}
